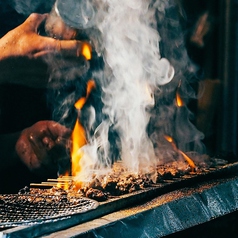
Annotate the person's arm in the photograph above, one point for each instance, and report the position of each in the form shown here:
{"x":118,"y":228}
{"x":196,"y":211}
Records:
{"x":23,"y":53}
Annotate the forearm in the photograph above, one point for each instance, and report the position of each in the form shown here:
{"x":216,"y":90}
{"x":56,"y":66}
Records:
{"x":8,"y":155}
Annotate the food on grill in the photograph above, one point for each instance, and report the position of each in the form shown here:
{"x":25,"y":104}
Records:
{"x":119,"y":181}
{"x":96,"y":194}
{"x":53,"y":191}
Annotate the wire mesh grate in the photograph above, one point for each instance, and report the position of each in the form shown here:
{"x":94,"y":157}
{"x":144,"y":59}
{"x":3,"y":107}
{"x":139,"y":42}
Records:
{"x":16,"y":209}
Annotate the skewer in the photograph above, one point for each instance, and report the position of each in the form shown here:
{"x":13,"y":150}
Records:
{"x":41,"y":185}
{"x":48,"y":184}
{"x":62,"y":182}
{"x":60,"y":179}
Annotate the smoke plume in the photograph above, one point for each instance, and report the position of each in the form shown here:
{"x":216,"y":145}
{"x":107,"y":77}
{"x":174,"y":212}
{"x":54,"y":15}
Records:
{"x":144,"y":64}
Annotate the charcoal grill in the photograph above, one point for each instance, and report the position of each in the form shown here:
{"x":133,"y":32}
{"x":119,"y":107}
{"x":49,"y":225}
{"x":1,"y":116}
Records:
{"x":29,"y":209}
{"x":170,"y":206}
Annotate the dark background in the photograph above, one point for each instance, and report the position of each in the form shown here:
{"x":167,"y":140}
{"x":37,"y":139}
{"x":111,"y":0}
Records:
{"x":20,"y":106}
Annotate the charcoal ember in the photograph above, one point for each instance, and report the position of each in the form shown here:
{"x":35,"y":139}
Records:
{"x":96,"y":194}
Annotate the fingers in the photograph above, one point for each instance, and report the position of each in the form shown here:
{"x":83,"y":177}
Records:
{"x":34,"y":21}
{"x":48,"y":143}
{"x":45,"y":135}
{"x":57,"y":130}
{"x":73,"y":48}
{"x":47,"y":45}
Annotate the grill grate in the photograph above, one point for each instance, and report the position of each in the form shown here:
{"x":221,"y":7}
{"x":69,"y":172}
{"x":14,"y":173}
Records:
{"x":16,"y":209}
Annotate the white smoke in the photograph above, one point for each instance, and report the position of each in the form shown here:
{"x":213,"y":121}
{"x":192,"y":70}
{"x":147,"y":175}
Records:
{"x":145,"y":59}
{"x":133,"y":70}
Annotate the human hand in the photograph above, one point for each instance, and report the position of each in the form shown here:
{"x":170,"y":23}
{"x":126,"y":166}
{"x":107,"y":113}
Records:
{"x":42,"y":145}
{"x":25,"y":54}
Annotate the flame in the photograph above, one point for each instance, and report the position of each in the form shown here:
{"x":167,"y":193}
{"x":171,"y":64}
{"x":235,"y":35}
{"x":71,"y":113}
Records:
{"x":169,"y":138}
{"x":78,"y":140}
{"x":80,"y":103}
{"x":179,"y":100}
{"x":186,"y":157}
{"x":78,"y":135}
{"x":86,"y":51}
{"x":189,"y":160}
{"x":63,"y":182}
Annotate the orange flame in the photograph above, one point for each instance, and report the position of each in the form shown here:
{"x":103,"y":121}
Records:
{"x":62,"y":182}
{"x":179,"y":100}
{"x":78,"y":135}
{"x":78,"y":140}
{"x":86,"y":51}
{"x":187,"y":158}
{"x":80,"y":103}
{"x":169,"y":139}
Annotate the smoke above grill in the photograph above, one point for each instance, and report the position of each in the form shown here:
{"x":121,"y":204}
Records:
{"x":139,"y":65}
